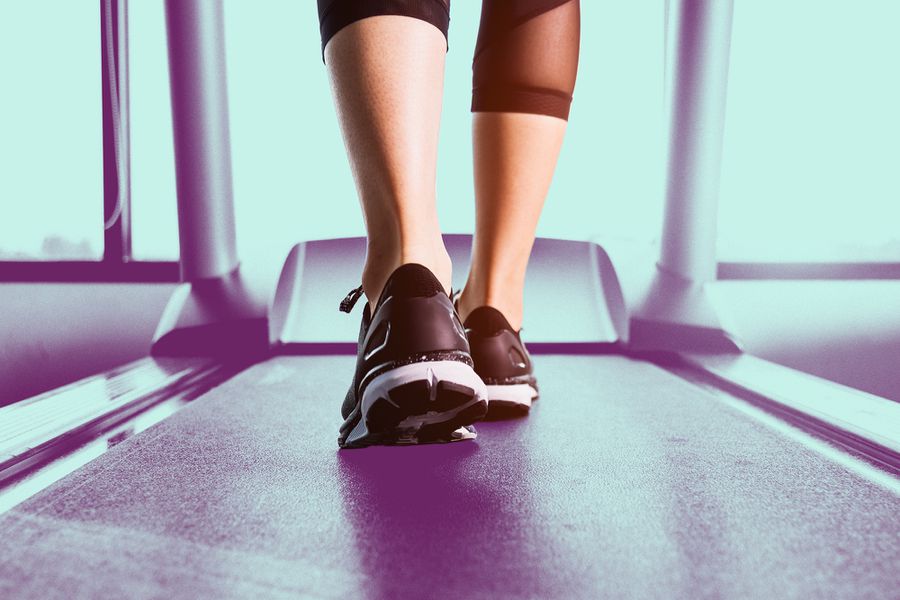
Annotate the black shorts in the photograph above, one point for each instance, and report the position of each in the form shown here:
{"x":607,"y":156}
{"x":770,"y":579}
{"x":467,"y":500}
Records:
{"x":526,"y":56}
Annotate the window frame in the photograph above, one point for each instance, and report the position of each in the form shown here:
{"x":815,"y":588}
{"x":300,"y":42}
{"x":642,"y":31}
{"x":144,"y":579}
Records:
{"x":835,"y":271}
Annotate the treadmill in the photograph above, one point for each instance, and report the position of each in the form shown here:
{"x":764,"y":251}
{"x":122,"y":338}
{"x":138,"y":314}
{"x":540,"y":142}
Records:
{"x":661,"y":461}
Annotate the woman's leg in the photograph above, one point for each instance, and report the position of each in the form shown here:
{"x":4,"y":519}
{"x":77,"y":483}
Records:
{"x":524,"y":74}
{"x":386,"y":75}
{"x":414,"y":380}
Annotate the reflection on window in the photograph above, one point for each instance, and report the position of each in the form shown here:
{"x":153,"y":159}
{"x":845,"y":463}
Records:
{"x":51,"y":160}
{"x":153,"y":202}
{"x":812,"y":141}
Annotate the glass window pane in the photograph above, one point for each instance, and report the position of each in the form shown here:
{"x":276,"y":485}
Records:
{"x":154,"y":219}
{"x":811,"y":166}
{"x":51,"y":161}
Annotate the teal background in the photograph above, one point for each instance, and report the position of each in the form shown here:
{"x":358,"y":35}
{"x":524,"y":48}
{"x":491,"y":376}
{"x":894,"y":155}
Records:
{"x":809,"y":165}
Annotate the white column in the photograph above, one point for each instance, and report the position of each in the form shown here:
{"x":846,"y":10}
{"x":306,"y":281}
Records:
{"x":206,"y":223}
{"x":697,"y":79}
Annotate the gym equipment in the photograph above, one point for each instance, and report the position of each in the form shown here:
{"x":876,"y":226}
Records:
{"x":661,"y":461}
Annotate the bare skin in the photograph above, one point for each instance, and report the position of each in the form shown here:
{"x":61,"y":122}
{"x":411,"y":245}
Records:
{"x":387,"y":80}
{"x":515,"y":155}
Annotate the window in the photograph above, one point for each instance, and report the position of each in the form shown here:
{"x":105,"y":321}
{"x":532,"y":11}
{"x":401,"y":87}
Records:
{"x":62,"y":155}
{"x":812,"y":140}
{"x":154,"y":221}
{"x":51,"y":163}
{"x":809,"y":161}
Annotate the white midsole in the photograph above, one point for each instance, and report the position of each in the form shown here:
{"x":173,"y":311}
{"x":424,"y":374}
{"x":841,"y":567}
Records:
{"x":517,"y":393}
{"x":436,"y":371}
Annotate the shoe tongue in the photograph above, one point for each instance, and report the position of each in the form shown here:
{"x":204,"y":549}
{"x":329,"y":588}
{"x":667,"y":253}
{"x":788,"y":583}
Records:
{"x":486,"y":320}
{"x":411,"y":280}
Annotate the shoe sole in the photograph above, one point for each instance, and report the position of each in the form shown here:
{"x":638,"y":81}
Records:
{"x":510,"y":399}
{"x":420,"y":403}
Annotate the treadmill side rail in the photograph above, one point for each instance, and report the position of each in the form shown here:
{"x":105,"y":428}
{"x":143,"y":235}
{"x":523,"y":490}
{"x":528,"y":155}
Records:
{"x":38,"y":430}
{"x":866,"y":417}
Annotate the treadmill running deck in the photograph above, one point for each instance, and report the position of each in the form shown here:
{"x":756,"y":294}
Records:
{"x":625,"y":480}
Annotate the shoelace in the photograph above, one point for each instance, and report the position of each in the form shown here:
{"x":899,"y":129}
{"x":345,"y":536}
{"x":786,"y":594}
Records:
{"x":349,"y":301}
{"x":353,"y":296}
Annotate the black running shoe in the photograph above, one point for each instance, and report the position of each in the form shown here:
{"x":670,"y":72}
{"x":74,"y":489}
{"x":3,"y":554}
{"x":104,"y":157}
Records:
{"x":414,"y":381}
{"x":502,"y":362}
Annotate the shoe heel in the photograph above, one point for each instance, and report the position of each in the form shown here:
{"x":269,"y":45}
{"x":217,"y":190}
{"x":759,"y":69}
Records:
{"x":420,"y":403}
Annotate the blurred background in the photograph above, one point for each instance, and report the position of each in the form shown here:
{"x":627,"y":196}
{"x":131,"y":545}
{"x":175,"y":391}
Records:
{"x":810,"y":169}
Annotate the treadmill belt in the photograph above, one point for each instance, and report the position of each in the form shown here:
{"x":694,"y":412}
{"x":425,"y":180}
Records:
{"x":625,"y":480}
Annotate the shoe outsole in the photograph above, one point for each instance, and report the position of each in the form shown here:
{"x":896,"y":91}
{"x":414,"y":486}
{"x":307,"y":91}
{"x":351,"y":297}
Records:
{"x":510,"y":400}
{"x":421,"y":403}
